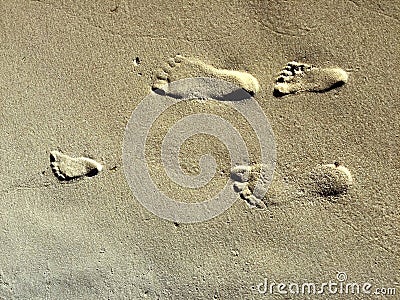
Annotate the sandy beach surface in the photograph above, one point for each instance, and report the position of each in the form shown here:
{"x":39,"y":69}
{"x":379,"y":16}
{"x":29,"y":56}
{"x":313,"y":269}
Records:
{"x":72,"y":73}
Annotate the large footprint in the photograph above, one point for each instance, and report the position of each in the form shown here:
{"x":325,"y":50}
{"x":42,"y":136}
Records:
{"x":181,"y":67}
{"x":300,"y":77}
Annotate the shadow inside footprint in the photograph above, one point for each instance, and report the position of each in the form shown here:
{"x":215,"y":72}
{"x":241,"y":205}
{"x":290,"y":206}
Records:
{"x":298,"y":77}
{"x":278,"y":94}
{"x":200,"y":89}
{"x":67,"y":168}
{"x":159,"y":91}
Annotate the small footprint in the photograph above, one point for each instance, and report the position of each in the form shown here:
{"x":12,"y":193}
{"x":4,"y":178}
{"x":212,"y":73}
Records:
{"x":66,"y":168}
{"x":300,"y":77}
{"x":181,"y":67}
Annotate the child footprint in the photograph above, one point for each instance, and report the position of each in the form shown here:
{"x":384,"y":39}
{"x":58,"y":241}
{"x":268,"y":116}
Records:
{"x":251,"y":182}
{"x":324,"y":180}
{"x":67,"y":168}
{"x":181,"y":67}
{"x":300,"y":77}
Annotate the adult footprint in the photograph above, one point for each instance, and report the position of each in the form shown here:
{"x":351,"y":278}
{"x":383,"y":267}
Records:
{"x":300,"y":77}
{"x":181,"y":67}
{"x":66,"y":167}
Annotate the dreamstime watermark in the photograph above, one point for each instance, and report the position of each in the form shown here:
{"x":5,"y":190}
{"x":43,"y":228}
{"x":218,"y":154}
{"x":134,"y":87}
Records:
{"x":338,"y":286}
{"x":137,"y":167}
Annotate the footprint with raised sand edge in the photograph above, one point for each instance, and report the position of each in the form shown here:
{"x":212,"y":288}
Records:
{"x":67,"y":168}
{"x":300,"y":77}
{"x":181,"y":67}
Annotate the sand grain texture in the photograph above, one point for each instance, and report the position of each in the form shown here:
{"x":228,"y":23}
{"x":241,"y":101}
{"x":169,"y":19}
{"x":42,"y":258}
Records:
{"x":70,"y":79}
